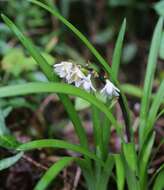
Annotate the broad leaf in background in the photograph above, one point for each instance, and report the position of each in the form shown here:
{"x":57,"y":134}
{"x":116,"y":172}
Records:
{"x":159,"y":7}
{"x":129,"y":52}
{"x":81,"y":104}
{"x":104,"y":36}
{"x":116,"y":3}
{"x":3,"y":128}
{"x":8,"y":162}
{"x":7,"y":111}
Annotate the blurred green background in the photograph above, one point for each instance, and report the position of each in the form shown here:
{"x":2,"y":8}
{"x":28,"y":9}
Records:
{"x":99,"y":20}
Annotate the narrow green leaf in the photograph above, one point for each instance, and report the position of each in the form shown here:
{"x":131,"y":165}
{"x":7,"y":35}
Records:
{"x":8,"y":141}
{"x":52,"y":172}
{"x":130,"y":155}
{"x":132,"y":90}
{"x":40,"y":87}
{"x":161,"y":51}
{"x":7,"y":162}
{"x":106,"y":133}
{"x":160,"y":169}
{"x":120,"y":173}
{"x":106,"y":173}
{"x":131,"y":179}
{"x":160,"y":114}
{"x":117,"y":50}
{"x":154,"y":110}
{"x":159,"y":182}
{"x":48,"y":71}
{"x":152,"y":59}
{"x":96,"y":126}
{"x":131,"y":175}
{"x":51,"y":143}
{"x":143,"y":161}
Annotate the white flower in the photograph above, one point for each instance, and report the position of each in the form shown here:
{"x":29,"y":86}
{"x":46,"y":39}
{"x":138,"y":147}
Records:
{"x":110,"y":89}
{"x":86,"y":83}
{"x":72,"y":74}
{"x":63,"y":69}
{"x":75,"y":76}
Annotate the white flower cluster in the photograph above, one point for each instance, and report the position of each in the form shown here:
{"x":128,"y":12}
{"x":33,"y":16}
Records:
{"x":72,"y":74}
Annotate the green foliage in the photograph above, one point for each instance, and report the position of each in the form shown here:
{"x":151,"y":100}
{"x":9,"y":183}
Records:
{"x":120,"y":173}
{"x":161,"y":51}
{"x":152,"y":59}
{"x":130,"y":156}
{"x":131,"y":164}
{"x":52,"y":172}
{"x":46,"y":68}
{"x":56,"y":144}
{"x":117,"y":51}
{"x":16,"y":62}
{"x":129,"y":52}
{"x":30,"y":88}
{"x":159,"y":7}
{"x":159,"y":183}
{"x":81,"y":104}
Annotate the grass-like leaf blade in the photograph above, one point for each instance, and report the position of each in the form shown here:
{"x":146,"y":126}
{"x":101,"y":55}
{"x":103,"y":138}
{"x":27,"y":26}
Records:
{"x":154,"y":110}
{"x":152,"y":59}
{"x":116,"y":60}
{"x":130,"y":156}
{"x":120,"y":173}
{"x":40,"y":87}
{"x":52,"y":172}
{"x":53,"y":143}
{"x":159,"y":182}
{"x":144,"y":159}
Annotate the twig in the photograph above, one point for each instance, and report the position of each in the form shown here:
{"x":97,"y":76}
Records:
{"x":33,"y":162}
{"x":77,"y":178}
{"x":158,"y":161}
